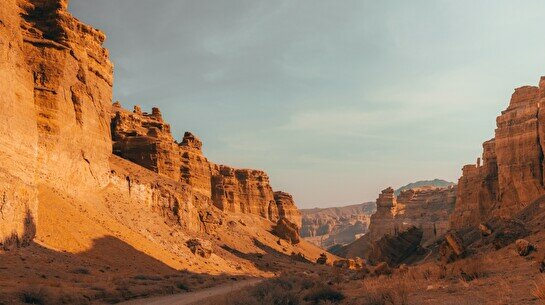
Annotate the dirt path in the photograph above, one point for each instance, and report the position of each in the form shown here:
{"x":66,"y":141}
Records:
{"x":193,"y":297}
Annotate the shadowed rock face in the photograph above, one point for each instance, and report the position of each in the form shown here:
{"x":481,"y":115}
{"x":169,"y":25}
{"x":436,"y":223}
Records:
{"x":55,"y":107}
{"x":396,"y":249}
{"x":145,"y":139}
{"x":511,"y":174}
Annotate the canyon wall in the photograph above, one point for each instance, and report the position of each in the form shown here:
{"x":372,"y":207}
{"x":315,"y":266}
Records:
{"x":145,"y":139}
{"x":55,"y":105}
{"x":424,"y":210}
{"x":427,"y":209}
{"x":511,"y":174}
{"x":338,"y":225}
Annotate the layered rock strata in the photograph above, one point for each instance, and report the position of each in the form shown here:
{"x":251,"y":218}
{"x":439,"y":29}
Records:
{"x":55,"y":108}
{"x":511,"y":174}
{"x":339,"y":225}
{"x":145,"y":139}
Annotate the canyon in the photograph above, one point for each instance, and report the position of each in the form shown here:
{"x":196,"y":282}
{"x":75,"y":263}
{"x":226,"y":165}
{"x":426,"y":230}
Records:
{"x":103,"y":204}
{"x":87,"y":183}
{"x":327,"y":227}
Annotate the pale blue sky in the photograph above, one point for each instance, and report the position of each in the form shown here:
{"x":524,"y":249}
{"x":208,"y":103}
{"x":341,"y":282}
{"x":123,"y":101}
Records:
{"x":336,"y":100}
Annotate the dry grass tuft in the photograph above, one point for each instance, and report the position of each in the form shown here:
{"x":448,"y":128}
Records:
{"x":539,"y":289}
{"x":36,"y":295}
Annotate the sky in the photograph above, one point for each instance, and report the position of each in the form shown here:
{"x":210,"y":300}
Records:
{"x":336,"y":100}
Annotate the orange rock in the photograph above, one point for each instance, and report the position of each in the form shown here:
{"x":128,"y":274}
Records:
{"x":511,"y":176}
{"x":55,"y":108}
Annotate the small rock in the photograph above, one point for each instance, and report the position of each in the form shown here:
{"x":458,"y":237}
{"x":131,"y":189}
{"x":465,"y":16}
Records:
{"x":485,"y":230}
{"x":382,"y":269}
{"x":199,"y":247}
{"x":524,"y":247}
{"x":322,"y":260}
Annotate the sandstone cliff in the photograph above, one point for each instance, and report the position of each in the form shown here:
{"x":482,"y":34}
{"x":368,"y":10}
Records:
{"x":156,"y":206}
{"x":510,"y":175}
{"x":54,"y":105}
{"x":145,"y":139}
{"x":427,"y":209}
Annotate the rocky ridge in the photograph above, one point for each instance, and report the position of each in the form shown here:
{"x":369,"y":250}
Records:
{"x":72,"y":159}
{"x":509,"y":176}
{"x":145,"y":139}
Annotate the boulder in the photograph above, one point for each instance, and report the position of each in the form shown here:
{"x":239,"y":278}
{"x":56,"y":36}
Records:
{"x":485,"y":230}
{"x":322,"y":260}
{"x":382,"y":269}
{"x":524,"y":247}
{"x":200,"y":247}
{"x":395,"y":249}
{"x":345,"y":264}
{"x":287,"y":231}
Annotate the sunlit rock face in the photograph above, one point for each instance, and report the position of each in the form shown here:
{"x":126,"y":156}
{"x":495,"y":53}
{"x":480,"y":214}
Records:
{"x":511,"y":174}
{"x":145,"y":139}
{"x":426,"y":208}
{"x":55,"y":108}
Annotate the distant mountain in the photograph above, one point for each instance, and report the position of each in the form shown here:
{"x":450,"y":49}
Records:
{"x":424,"y":183}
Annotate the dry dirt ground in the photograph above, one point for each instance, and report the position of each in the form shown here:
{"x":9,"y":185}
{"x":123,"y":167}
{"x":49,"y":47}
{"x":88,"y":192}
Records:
{"x":496,"y":277}
{"x":94,"y":251}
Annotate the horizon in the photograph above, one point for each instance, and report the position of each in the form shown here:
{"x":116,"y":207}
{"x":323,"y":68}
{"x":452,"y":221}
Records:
{"x":307,"y":98}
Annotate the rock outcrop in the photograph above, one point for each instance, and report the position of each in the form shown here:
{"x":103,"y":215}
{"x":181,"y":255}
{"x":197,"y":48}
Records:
{"x":511,"y":174}
{"x":336,"y":226}
{"x":287,"y":230}
{"x":394,"y":250}
{"x":55,"y":107}
{"x":427,"y":209}
{"x":145,"y":139}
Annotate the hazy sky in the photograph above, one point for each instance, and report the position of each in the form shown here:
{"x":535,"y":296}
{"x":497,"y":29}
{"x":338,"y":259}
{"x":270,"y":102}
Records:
{"x":336,"y":100}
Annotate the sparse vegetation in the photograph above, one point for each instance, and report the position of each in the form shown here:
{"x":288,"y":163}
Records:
{"x":286,"y":290}
{"x":35,"y":295}
{"x":81,"y":270}
{"x":539,"y":289}
{"x":472,"y":269}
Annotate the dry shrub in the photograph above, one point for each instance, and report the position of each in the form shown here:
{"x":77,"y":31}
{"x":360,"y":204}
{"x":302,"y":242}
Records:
{"x":387,"y":291}
{"x":324,"y":293}
{"x":472,"y":269}
{"x":81,"y":270}
{"x":36,"y":295}
{"x":43,"y":295}
{"x":145,"y":277}
{"x":183,"y":285}
{"x":539,"y":289}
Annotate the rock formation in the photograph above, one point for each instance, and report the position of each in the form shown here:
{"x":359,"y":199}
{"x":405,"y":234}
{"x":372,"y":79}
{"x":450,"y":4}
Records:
{"x":145,"y":139}
{"x":57,"y":100}
{"x":339,"y":225}
{"x":55,"y":107}
{"x":428,"y":209}
{"x":287,"y":230}
{"x":394,"y":250}
{"x":511,"y":174}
